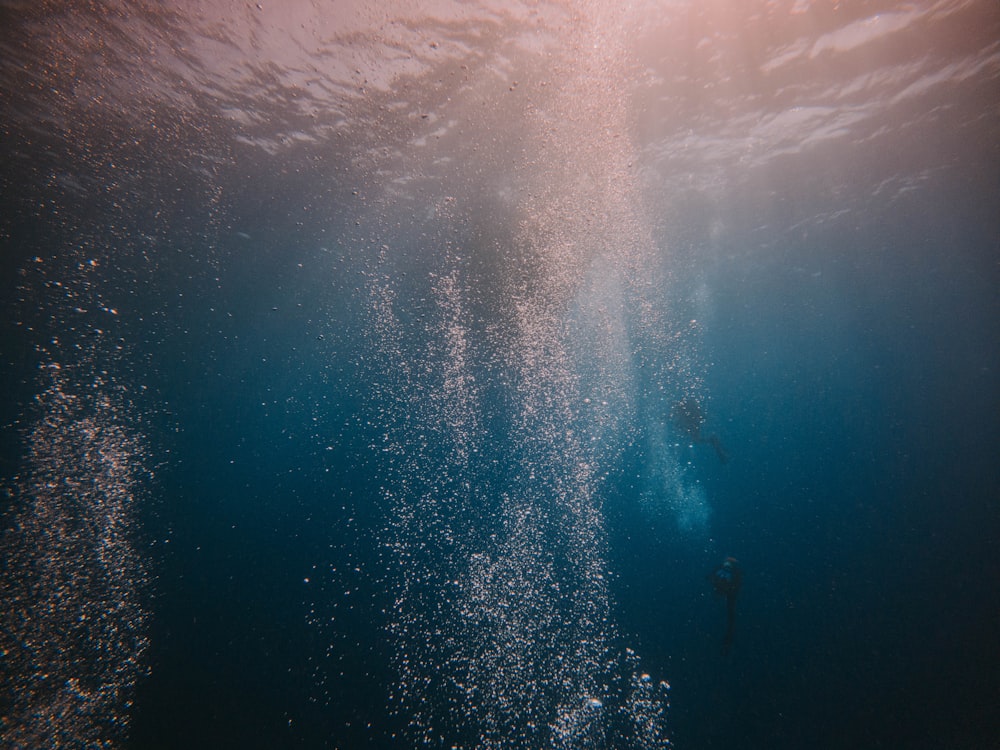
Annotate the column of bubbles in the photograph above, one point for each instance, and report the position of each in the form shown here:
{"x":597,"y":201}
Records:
{"x":593,"y":310}
{"x":72,"y":593}
{"x":425,"y":408}
{"x":492,"y":442}
{"x":672,"y":490}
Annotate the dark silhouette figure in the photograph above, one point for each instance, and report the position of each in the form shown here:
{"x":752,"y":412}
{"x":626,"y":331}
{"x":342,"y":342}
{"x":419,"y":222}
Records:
{"x":726,"y":581}
{"x":688,"y":417}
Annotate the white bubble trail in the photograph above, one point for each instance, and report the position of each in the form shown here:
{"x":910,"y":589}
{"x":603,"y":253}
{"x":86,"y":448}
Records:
{"x":672,"y":489}
{"x":501,"y":604}
{"x":75,"y":628}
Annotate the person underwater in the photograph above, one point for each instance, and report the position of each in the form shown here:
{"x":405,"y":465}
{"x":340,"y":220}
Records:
{"x":688,"y":417}
{"x":726,"y":581}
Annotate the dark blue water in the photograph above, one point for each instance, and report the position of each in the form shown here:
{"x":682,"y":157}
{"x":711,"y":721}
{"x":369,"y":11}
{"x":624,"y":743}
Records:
{"x":343,"y":378}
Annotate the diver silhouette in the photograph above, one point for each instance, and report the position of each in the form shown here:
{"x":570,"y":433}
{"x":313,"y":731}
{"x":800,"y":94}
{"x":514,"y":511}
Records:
{"x":726,"y":581}
{"x":688,"y":417}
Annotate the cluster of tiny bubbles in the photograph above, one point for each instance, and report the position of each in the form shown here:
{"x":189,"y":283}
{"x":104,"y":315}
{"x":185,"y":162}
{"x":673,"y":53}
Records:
{"x":646,"y":705}
{"x":424,"y":416}
{"x":499,"y":597}
{"x":692,"y":507}
{"x":75,"y":587}
{"x":558,"y":485}
{"x":75,"y":625}
{"x":672,"y":489}
{"x":580,"y":337}
{"x":499,"y":608}
{"x":602,"y":353}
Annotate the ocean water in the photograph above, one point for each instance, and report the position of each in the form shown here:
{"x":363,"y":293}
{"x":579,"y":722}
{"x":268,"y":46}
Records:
{"x":345,"y":347}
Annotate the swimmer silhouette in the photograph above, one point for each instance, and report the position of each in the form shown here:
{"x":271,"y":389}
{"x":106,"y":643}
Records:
{"x":726,"y":581}
{"x":688,"y":417}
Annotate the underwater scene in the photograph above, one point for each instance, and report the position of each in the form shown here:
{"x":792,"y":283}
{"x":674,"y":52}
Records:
{"x":500,"y":374}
